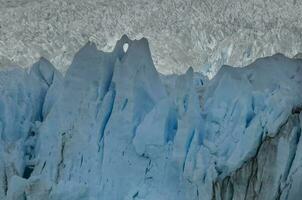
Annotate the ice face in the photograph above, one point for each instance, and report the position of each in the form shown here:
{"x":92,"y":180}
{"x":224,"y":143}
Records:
{"x":24,"y":95}
{"x":114,"y":128}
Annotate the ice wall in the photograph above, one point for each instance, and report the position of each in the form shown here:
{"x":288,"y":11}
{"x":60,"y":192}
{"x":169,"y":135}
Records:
{"x":113,"y":128}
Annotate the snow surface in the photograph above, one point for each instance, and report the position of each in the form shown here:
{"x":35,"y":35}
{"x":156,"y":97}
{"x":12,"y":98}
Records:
{"x":204,"y":34}
{"x":114,"y":128}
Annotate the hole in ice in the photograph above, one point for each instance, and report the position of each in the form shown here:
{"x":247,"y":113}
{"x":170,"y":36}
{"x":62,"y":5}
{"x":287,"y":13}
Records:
{"x":27,"y":171}
{"x":125,"y":47}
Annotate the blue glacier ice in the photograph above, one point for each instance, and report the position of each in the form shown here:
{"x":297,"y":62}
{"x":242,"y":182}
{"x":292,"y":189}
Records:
{"x":113,"y":128}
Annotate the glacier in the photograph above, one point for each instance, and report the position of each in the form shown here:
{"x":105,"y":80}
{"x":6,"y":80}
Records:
{"x":114,"y":128}
{"x":203,"y":34}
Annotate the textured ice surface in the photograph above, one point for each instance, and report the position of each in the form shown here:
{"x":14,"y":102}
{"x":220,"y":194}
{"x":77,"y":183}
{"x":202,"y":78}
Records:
{"x":114,"y":128}
{"x":203,"y":34}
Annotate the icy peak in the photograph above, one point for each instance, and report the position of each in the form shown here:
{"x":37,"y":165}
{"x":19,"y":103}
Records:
{"x":45,"y":70}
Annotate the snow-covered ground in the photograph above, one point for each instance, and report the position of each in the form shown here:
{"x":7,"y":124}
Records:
{"x":203,"y":34}
{"x":113,"y":128}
